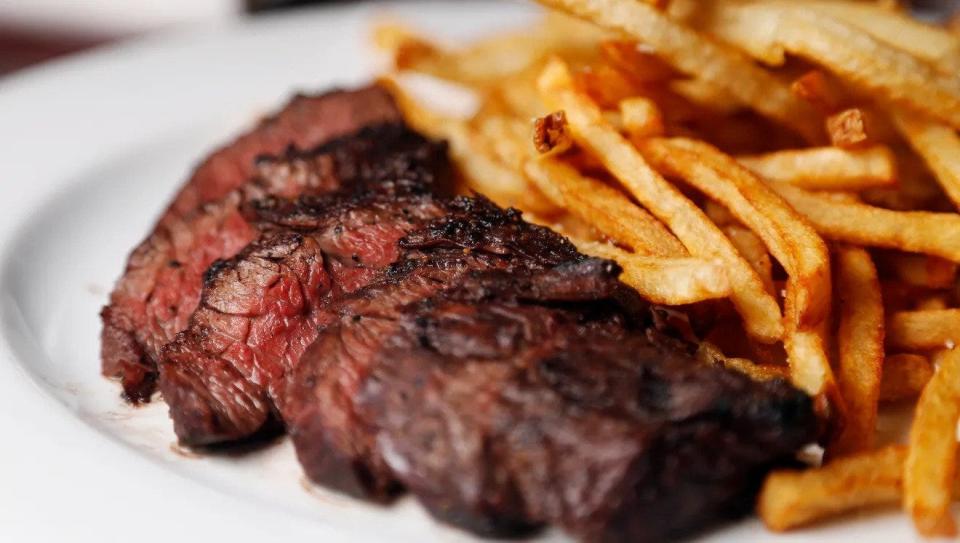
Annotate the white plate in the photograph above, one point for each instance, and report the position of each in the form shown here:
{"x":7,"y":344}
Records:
{"x":90,"y":150}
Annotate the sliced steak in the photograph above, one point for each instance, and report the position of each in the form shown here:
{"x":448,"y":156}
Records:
{"x":160,"y":287}
{"x":305,"y":122}
{"x":506,"y":403}
{"x":224,"y":375}
{"x":334,"y":447}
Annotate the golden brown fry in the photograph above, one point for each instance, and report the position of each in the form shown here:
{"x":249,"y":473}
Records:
{"x":701,"y":237}
{"x":860,"y":346}
{"x":707,"y":95}
{"x":791,"y":240}
{"x":477,"y":163}
{"x":823,"y":91}
{"x":827,"y":168}
{"x":609,"y":210}
{"x":641,"y":118}
{"x":550,"y":135}
{"x":939,"y":146}
{"x":848,"y":129}
{"x":931,"y":465}
{"x":752,"y":248}
{"x":636,"y":60}
{"x":794,"y":498}
{"x":669,"y":281}
{"x":860,"y":224}
{"x":487,"y":61}
{"x":757,"y":372}
{"x":788,"y":236}
{"x":933,"y":302}
{"x":920,"y":270}
{"x":904,"y":376}
{"x":924,"y":330}
{"x":700,"y":57}
{"x":768,"y":29}
{"x":931,"y":44}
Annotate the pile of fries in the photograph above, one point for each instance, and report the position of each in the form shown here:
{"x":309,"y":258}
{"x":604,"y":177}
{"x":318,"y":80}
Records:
{"x":787,"y":171}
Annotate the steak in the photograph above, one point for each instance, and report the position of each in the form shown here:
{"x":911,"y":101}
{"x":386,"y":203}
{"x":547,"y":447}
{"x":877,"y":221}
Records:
{"x":334,"y":447}
{"x":523,"y":398}
{"x":161,"y":284}
{"x":225,"y":375}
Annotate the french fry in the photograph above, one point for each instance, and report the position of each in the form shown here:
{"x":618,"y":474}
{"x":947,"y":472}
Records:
{"x":848,"y":129}
{"x":924,"y":232}
{"x":827,"y":168}
{"x":860,"y":347}
{"x":694,"y":55}
{"x":700,"y":236}
{"x":823,"y":91}
{"x":933,"y":45}
{"x":924,"y":330}
{"x":920,"y":270}
{"x":757,"y":372}
{"x":904,"y":376}
{"x":752,"y":249}
{"x":707,"y":95}
{"x":887,"y":72}
{"x":609,"y":210}
{"x":930,"y":468}
{"x":636,"y":60}
{"x":939,"y":146}
{"x":550,"y":134}
{"x":791,"y":240}
{"x":670,"y":281}
{"x":487,"y":61}
{"x":933,"y":302}
{"x":477,"y":162}
{"x":790,"y":498}
{"x":641,"y":118}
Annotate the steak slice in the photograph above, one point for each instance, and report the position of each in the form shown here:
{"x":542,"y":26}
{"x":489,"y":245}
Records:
{"x":224,"y":375}
{"x":307,"y":121}
{"x":160,"y":287}
{"x":513,"y":401}
{"x":333,"y":445}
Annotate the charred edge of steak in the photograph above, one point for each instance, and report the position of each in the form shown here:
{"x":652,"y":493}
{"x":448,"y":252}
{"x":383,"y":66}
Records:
{"x":509,"y":409}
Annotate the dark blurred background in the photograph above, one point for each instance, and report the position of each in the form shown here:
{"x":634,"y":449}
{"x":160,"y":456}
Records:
{"x":32,"y":31}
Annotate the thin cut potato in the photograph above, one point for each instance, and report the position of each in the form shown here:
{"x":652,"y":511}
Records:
{"x":609,"y":210}
{"x":641,"y":118}
{"x":670,"y":281}
{"x":791,"y":240}
{"x":904,"y":376}
{"x":700,"y":57}
{"x":707,"y":95}
{"x":486,"y":62}
{"x":790,"y":498}
{"x":757,"y":372}
{"x":860,"y":348}
{"x":924,"y":330}
{"x":931,"y":465}
{"x":926,"y":42}
{"x":827,"y":168}
{"x":861,"y":224}
{"x":939,"y":146}
{"x":701,"y":237}
{"x":636,"y":60}
{"x":477,"y":163}
{"x":887,"y":72}
{"x":823,"y":91}
{"x":921,"y":270}
{"x":753,"y":249}
{"x":848,"y":129}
